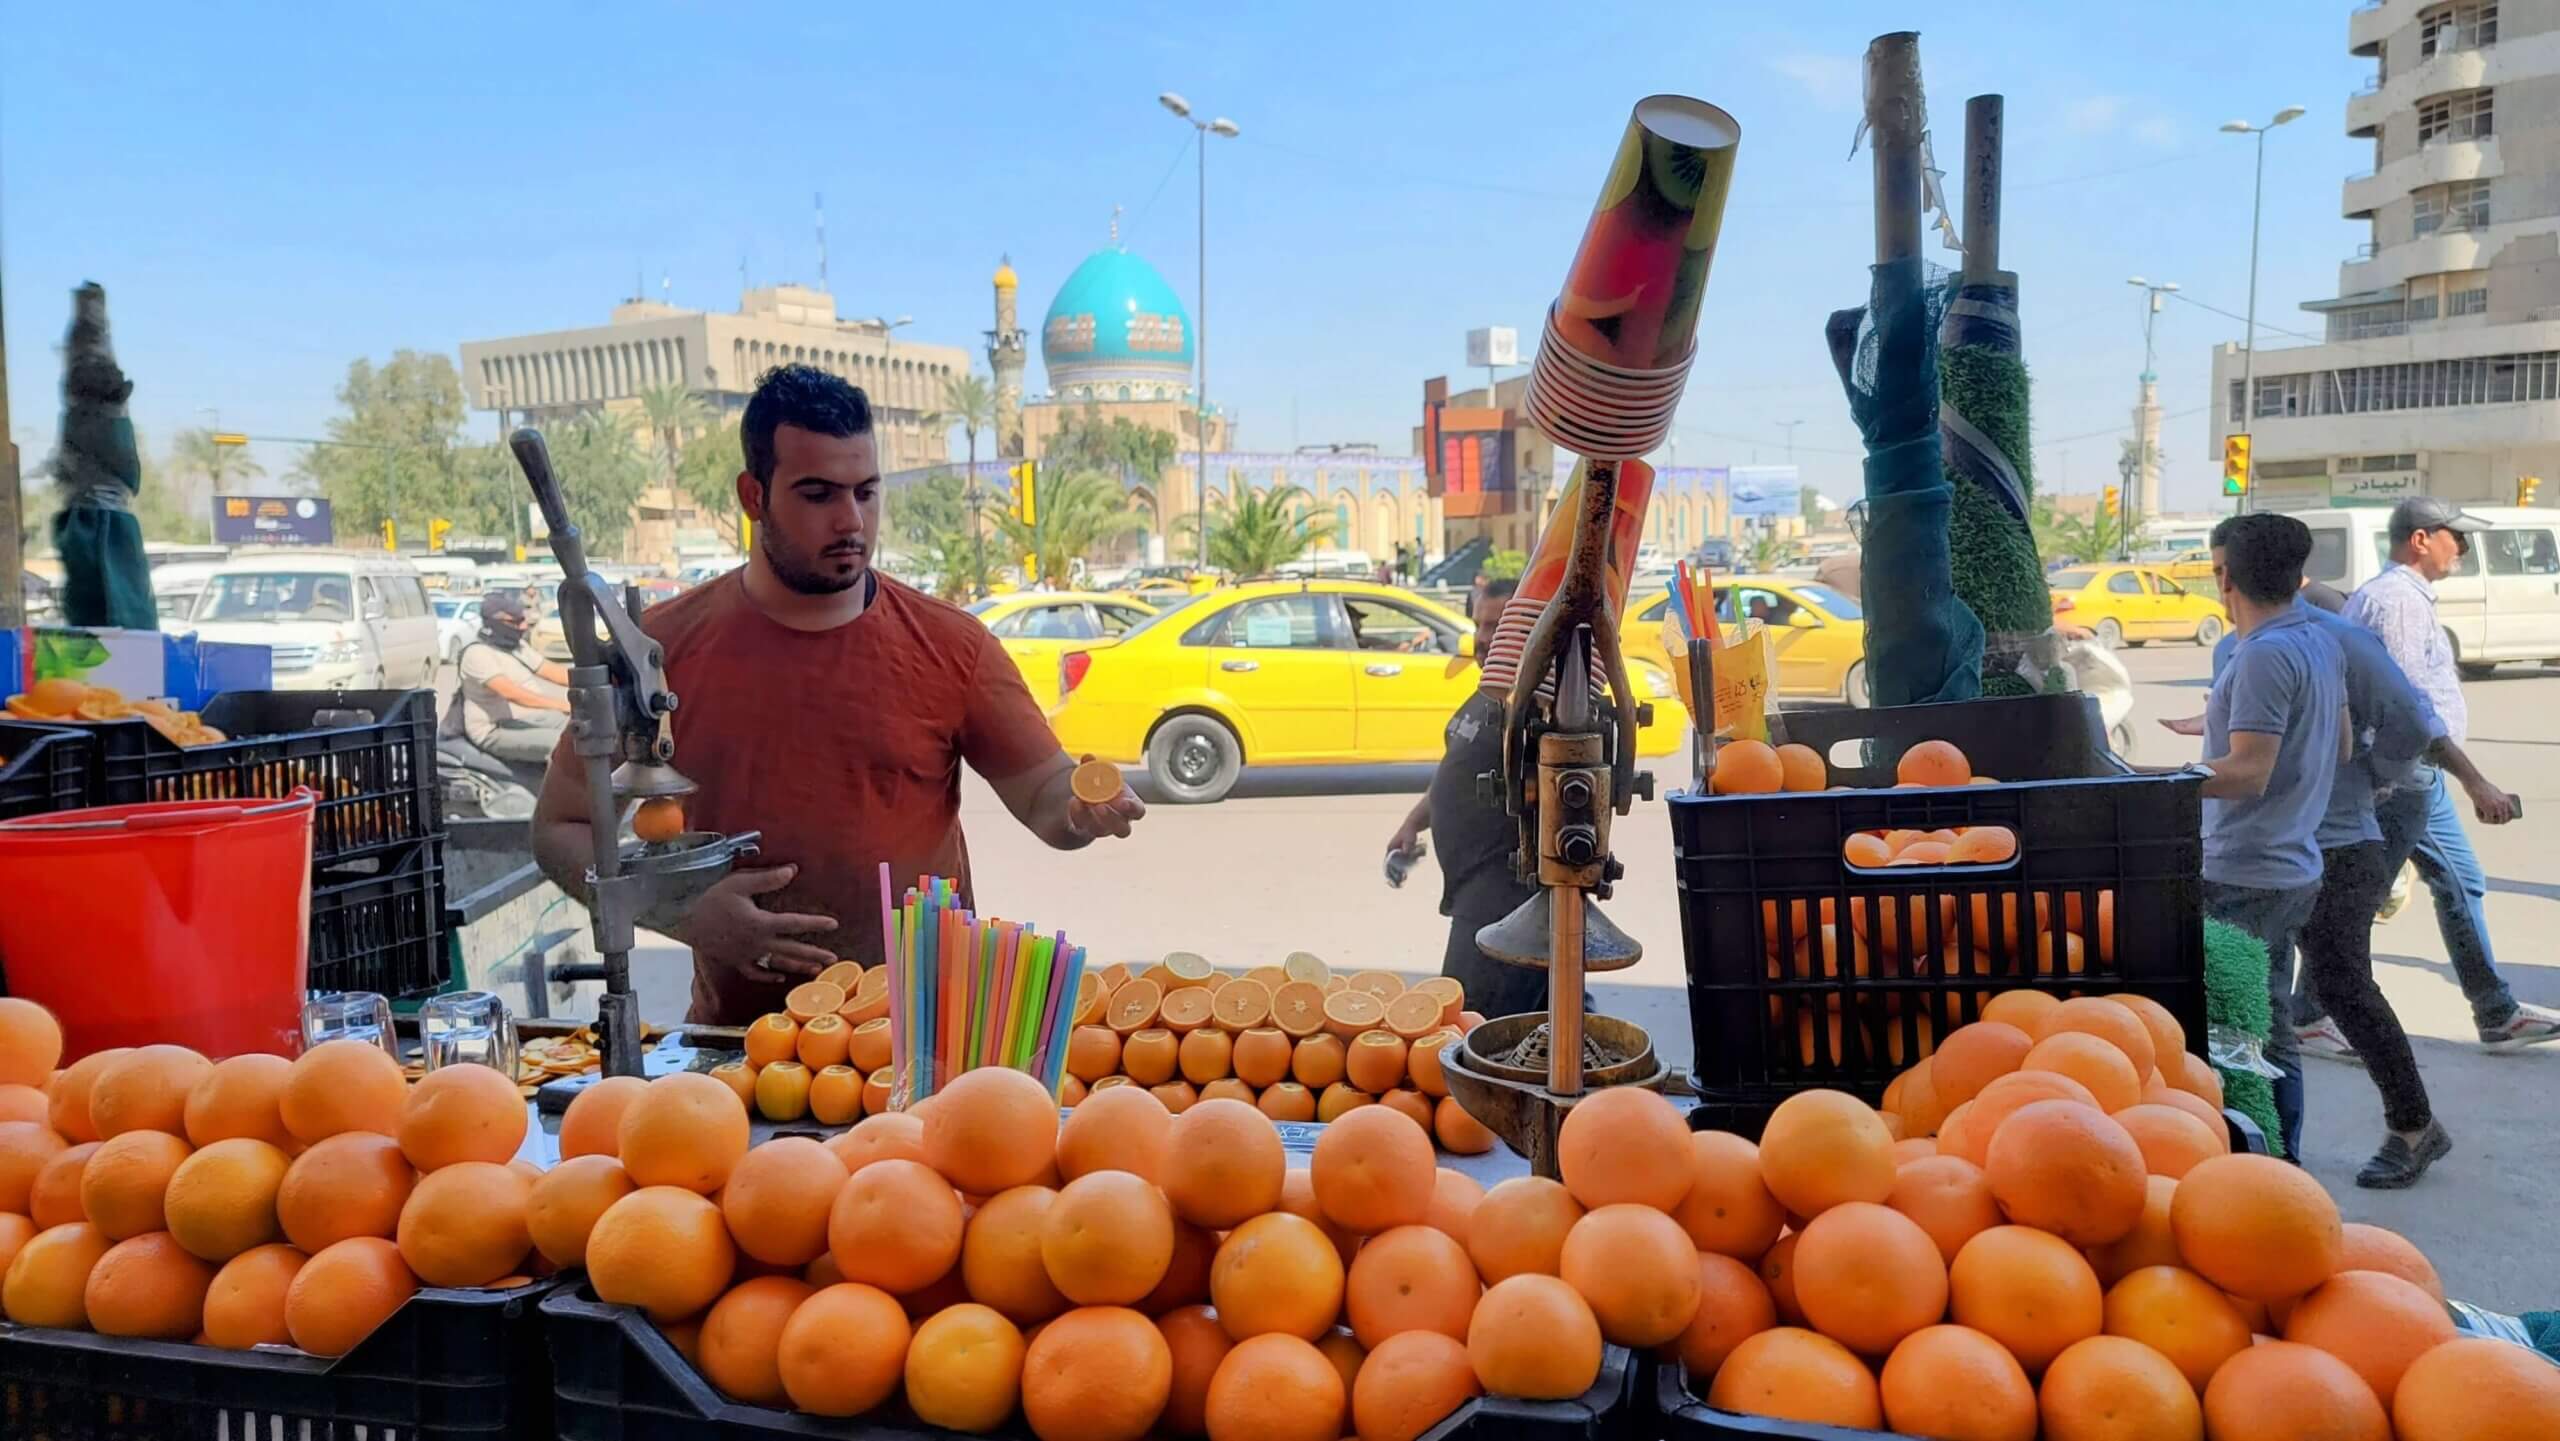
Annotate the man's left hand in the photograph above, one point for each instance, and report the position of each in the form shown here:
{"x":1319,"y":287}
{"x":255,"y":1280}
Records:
{"x":1113,"y":817}
{"x":2494,"y":806}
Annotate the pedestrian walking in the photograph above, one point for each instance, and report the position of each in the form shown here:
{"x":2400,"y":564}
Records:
{"x":2419,"y":822}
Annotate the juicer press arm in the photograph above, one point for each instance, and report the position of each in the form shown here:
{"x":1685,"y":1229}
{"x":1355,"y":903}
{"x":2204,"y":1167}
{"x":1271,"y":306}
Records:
{"x":634,"y":664}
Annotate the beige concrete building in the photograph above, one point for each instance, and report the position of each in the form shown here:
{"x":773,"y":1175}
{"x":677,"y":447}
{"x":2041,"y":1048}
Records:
{"x":2441,"y":368}
{"x":558,"y":374}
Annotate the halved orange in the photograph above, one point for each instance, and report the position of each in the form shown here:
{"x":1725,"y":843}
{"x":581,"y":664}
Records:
{"x":1385,"y":985}
{"x":1241,"y":1005}
{"x":1414,"y":1013}
{"x":869,"y":998}
{"x":1133,"y":1007}
{"x":1451,"y":992}
{"x":1271,"y":977}
{"x":1336,"y":985}
{"x":1219,"y":981}
{"x":1095,"y":782}
{"x":1089,"y":1000}
{"x":1306,"y":966}
{"x":1186,"y":969}
{"x":1115,"y":975}
{"x":1160,"y":973}
{"x":812,"y":999}
{"x":1109,"y":1081}
{"x":1185,"y":1010}
{"x":1348,"y":1012}
{"x":1298,"y":1008}
{"x":843,"y":975}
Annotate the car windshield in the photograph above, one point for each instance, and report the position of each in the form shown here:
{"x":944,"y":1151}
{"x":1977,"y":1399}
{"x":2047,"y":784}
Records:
{"x":2069,"y":579}
{"x":1838,"y":605}
{"x":1174,"y":607}
{"x":452,"y":607}
{"x":277,"y":596}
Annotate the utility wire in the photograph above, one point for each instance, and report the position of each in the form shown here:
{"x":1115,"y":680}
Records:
{"x":2182,"y":296}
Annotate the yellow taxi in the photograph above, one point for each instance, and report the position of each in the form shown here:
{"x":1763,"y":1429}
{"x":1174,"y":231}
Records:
{"x":1036,"y":627}
{"x":2134,"y":604}
{"x":1818,"y":634}
{"x":1279,"y":673}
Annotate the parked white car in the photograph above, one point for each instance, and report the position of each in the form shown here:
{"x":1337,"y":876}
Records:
{"x":457,"y":623}
{"x":333,"y":619}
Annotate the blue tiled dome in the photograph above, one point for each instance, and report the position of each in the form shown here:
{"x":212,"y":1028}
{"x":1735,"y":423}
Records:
{"x":1115,"y":318}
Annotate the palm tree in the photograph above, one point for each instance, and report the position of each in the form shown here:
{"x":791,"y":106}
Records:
{"x":193,"y":451}
{"x":707,"y":473}
{"x":969,"y":402}
{"x":1265,"y":530}
{"x":1078,"y":511}
{"x":671,"y":412}
{"x":602,"y":475}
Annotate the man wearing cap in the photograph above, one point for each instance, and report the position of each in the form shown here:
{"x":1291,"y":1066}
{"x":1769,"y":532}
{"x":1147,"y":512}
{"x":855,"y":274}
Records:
{"x":511,"y":704}
{"x":2428,"y":539}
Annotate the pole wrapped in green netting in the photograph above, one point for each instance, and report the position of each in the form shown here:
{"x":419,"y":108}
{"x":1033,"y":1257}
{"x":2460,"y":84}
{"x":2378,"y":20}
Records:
{"x":1983,"y":426}
{"x":98,"y":469}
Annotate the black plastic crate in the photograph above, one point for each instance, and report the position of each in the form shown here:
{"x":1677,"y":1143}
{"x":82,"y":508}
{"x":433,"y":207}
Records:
{"x":1685,"y":1416}
{"x":378,"y":924}
{"x":376,"y":779}
{"x":1916,"y":951}
{"x":620,"y":1379}
{"x":448,"y":1366}
{"x":46,"y":769}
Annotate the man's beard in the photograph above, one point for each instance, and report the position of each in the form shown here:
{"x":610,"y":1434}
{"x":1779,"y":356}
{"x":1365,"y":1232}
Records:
{"x":809,"y":580}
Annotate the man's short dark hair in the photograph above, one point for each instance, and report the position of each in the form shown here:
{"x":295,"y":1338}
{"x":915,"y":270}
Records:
{"x":800,"y":395}
{"x":1501,"y":587}
{"x":2263,"y":553}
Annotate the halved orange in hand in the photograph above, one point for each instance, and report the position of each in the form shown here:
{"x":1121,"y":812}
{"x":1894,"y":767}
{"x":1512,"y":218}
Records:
{"x":1095,"y":782}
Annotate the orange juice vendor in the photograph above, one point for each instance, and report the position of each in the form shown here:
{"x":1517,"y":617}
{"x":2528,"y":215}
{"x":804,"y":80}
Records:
{"x":829,"y":707}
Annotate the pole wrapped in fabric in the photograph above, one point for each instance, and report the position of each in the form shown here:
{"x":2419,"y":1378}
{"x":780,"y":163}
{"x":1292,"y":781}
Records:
{"x":1982,"y":417}
{"x":99,"y":470}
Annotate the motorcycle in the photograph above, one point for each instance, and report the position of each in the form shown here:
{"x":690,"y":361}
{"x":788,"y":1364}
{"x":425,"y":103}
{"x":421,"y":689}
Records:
{"x":476,"y":783}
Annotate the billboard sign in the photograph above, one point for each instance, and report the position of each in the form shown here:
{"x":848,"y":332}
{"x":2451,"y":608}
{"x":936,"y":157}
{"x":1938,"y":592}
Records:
{"x":1493,"y":345}
{"x":272,"y":520}
{"x":1764,"y":492}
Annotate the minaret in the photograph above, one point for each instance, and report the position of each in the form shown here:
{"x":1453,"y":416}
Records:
{"x":1004,"y":357}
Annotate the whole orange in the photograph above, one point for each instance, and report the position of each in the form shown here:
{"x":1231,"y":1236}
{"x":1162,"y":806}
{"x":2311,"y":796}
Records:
{"x":340,"y":1086}
{"x":241,"y":1098}
{"x":1000,"y":1256}
{"x":1412,"y":1278}
{"x":2180,"y":1315}
{"x":1821,"y":1148}
{"x":351,"y":1184}
{"x":1520,"y":1228}
{"x":663,"y":1249}
{"x":1954,"y":1382}
{"x":2254,"y":1226}
{"x":1534,"y":1337}
{"x":592,"y":1126}
{"x":1097,"y":1373}
{"x":147,"y":1287}
{"x":244,"y":1306}
{"x":739,"y":1348}
{"x":562,"y":1209}
{"x":1373,"y":1171}
{"x":1733,"y":1305}
{"x":964,"y":1369}
{"x":343,"y":1292}
{"x":1950,"y":1199}
{"x":1223,"y":1164}
{"x":146,"y":1090}
{"x":2029,"y":1290}
{"x":1868,"y":1275}
{"x":1277,"y":1273}
{"x":896,"y":1225}
{"x":2107,"y":1388}
{"x":779,"y":1199}
{"x":1107,"y":1239}
{"x":1410,"y":1383}
{"x":843,"y":1351}
{"x":2285,"y":1391}
{"x":1276,"y":1388}
{"x":462,"y":1113}
{"x":2378,"y":1324}
{"x":465,"y":1224}
{"x":685,"y":1129}
{"x":1197,"y":1343}
{"x":1638,"y":1270}
{"x":221,"y":1201}
{"x":1795,"y":1375}
{"x":1729,"y":1209}
{"x":991,"y":1129}
{"x":1120,"y":1129}
{"x":2061,"y":1167}
{"x":2477,"y":1389}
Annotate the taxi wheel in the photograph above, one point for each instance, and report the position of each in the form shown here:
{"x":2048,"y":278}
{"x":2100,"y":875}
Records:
{"x":2110,"y":634}
{"x":2209,"y":630}
{"x":1193,"y":760}
{"x":1853,"y":689}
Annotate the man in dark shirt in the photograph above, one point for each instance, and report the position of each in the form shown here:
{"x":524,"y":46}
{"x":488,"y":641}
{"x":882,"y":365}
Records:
{"x":1476,"y":840}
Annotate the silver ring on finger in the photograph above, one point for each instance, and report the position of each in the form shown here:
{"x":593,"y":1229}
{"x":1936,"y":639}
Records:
{"x":764,"y":963}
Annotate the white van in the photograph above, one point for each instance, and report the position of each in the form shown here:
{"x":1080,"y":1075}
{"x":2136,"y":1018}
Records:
{"x":174,"y":588}
{"x":2501,"y":604}
{"x":334,"y":619}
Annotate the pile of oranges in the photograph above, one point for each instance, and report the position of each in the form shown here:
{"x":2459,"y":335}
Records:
{"x":1125,"y":1272}
{"x":2043,"y":1233}
{"x":151,"y":1192}
{"x":1749,"y":767}
{"x":1296,"y":1039}
{"x":825,"y":1055}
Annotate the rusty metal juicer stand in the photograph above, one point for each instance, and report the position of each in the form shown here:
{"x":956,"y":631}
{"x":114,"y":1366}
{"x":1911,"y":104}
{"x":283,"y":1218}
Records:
{"x":1608,"y":377}
{"x":621,"y":724}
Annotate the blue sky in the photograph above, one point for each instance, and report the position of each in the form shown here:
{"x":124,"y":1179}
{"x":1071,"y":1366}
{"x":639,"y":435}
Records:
{"x":267,"y":198}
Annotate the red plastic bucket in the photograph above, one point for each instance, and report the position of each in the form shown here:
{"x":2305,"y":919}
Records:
{"x":179,"y":921}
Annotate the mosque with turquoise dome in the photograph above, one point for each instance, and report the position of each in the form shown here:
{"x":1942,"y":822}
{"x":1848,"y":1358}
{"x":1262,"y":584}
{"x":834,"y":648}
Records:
{"x":1117,"y":342}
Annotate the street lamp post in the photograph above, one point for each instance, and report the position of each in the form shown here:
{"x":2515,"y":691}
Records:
{"x":2145,"y":425}
{"x":2257,"y":202}
{"x":1181,"y":109}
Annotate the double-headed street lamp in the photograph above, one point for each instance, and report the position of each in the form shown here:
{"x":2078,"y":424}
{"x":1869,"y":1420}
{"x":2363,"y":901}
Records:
{"x":2257,"y":203}
{"x":1181,"y":109}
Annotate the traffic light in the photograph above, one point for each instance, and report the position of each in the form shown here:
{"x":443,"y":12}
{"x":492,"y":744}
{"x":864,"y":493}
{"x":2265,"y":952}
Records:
{"x":437,"y":530}
{"x":390,"y":535}
{"x":2235,"y":465}
{"x":2526,"y":485}
{"x":1025,"y":498}
{"x":2111,"y":502}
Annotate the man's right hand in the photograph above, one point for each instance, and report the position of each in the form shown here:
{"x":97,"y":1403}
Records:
{"x":2495,"y":807}
{"x":2187,"y":726}
{"x":1405,"y":838}
{"x":727,"y":926}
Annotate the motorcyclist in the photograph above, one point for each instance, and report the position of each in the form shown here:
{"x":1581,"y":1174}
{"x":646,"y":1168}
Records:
{"x":512,"y":703}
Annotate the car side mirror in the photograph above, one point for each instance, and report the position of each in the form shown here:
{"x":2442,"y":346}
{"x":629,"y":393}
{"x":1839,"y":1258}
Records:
{"x":1801,"y":620}
{"x":373,"y":610}
{"x":1466,"y":645}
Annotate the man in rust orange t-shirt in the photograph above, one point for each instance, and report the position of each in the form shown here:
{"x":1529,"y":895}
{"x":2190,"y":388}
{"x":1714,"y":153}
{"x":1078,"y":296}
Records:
{"x":830,"y":708}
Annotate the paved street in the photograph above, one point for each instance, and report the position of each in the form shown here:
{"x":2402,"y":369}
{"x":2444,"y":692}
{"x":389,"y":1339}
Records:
{"x":1291,"y":862}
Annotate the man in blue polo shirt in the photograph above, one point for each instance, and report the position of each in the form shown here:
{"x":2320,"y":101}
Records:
{"x":2276,"y":731}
